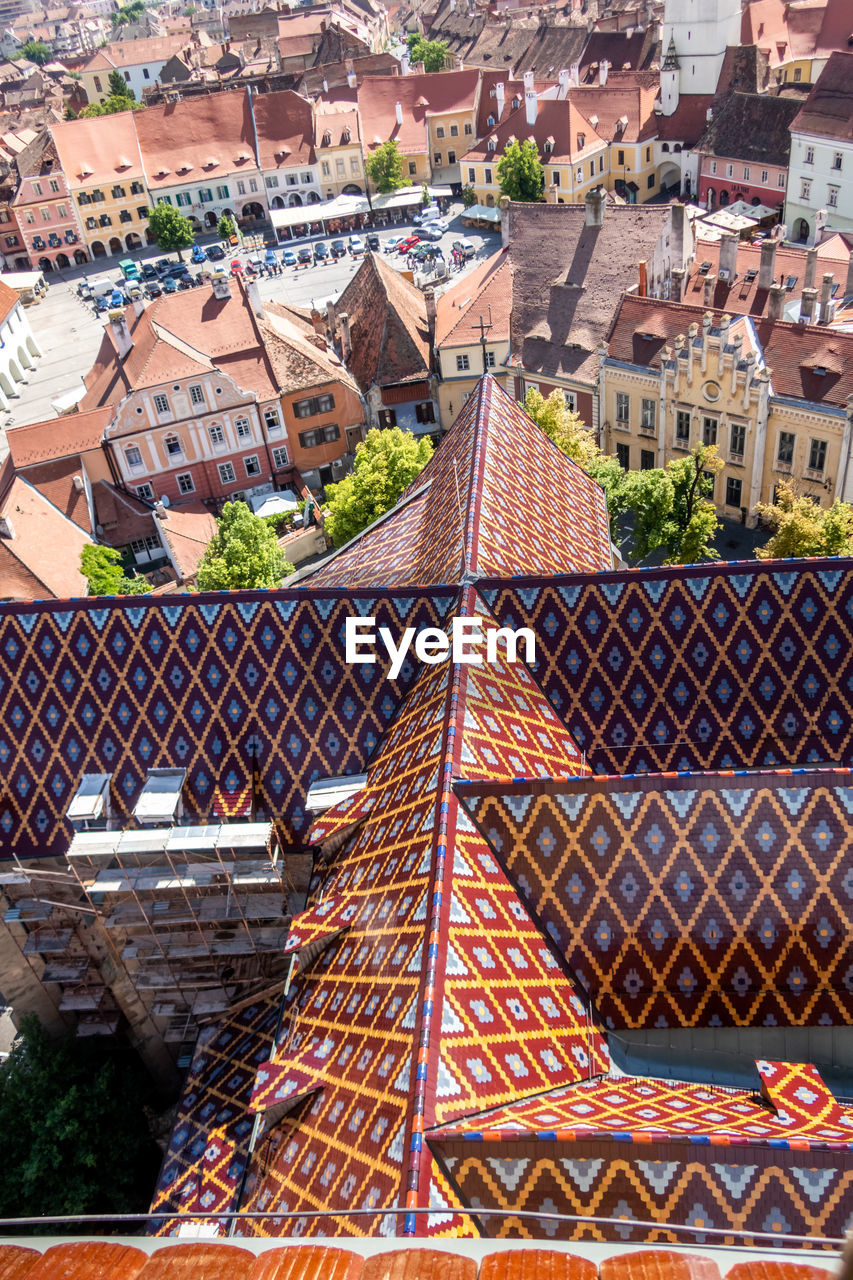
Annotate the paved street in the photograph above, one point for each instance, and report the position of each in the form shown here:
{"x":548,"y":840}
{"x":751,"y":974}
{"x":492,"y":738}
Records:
{"x":68,"y":332}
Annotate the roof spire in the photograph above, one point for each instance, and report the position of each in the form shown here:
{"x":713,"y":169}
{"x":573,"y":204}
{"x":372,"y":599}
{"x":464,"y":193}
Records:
{"x":670,"y":62}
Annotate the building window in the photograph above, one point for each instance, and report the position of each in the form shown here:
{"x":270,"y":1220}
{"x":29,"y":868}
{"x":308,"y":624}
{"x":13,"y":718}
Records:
{"x":241,"y":187}
{"x":648,"y":415}
{"x":53,"y":184}
{"x":620,"y":157}
{"x":454,"y":131}
{"x":439,"y":132}
{"x":253,"y":184}
{"x":805,"y":189}
{"x":145,"y":491}
{"x":98,"y":88}
{"x":713,"y":167}
{"x":436,"y":157}
{"x":472,"y":175}
{"x":623,"y":407}
{"x":217,"y":435}
{"x":488,"y":177}
{"x":222,"y":193}
{"x":623,"y":456}
{"x":196,"y":395}
{"x":125,"y":216}
{"x":118,"y":193}
{"x":37,"y":188}
{"x":809,"y":156}
{"x":746,"y":173}
{"x":273,"y":182}
{"x":136,"y":189}
{"x":226,"y":473}
{"x":798,"y":75}
{"x":387,"y":418}
{"x":682,"y":427}
{"x":174,"y":448}
{"x":579,"y":174}
{"x":832,"y":197}
{"x":781,"y":180}
{"x":730,"y":171}
{"x":142,"y":211}
{"x":709,"y":431}
{"x":785,"y":452}
{"x":241,"y":426}
{"x":490,"y":359}
{"x":425,"y":412}
{"x":451,"y":157}
{"x":817,"y":455}
{"x":647,"y":460}
{"x":311,"y":407}
{"x":29,"y":217}
{"x":837,"y":160}
{"x":253,"y":467}
{"x":570,"y":400}
{"x":462,"y":364}
{"x":185,"y":482}
{"x":326,"y":435}
{"x":133,"y":457}
{"x":161,"y":404}
{"x":733,"y":492}
{"x":354,"y":165}
{"x":764,"y":176}
{"x":555,"y":178}
{"x":272,"y":420}
{"x":413,"y":168}
{"x":280,"y":458}
{"x":737,"y":439}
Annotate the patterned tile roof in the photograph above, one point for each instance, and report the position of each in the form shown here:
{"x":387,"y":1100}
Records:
{"x":732,"y":901}
{"x":452,"y":521}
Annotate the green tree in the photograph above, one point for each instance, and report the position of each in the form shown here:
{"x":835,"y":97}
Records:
{"x":128,"y":13}
{"x":226,"y":227}
{"x":425,"y":195}
{"x":385,"y":464}
{"x":111,"y":106}
{"x":170,"y":229}
{"x":385,"y":168}
{"x":119,"y":88}
{"x":102,"y":569}
{"x":520,"y":171}
{"x":35,"y":51}
{"x":672,"y":508}
{"x":469,"y":196}
{"x":75,"y":1137}
{"x":432,"y":53}
{"x":243,"y":553}
{"x":802,"y":528}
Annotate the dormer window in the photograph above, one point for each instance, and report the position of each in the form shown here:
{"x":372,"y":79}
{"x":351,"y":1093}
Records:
{"x":327,"y":139}
{"x":492,"y":143}
{"x":549,"y":146}
{"x":581,"y":141}
{"x":345,"y":136}
{"x":516,"y":103}
{"x":490,"y":121}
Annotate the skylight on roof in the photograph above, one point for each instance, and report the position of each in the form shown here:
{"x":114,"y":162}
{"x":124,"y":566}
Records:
{"x":751,"y":275}
{"x":790,"y":282}
{"x":705,"y":268}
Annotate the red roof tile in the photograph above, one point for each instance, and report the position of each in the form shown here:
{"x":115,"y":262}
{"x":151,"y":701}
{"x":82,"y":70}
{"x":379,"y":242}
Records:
{"x":99,"y":150}
{"x":828,"y":110}
{"x":388,"y":326}
{"x":89,"y":1260}
{"x":135,"y":53}
{"x":211,"y":134}
{"x":285,"y":130}
{"x":16,"y":1262}
{"x":65,"y":437}
{"x":560,"y":123}
{"x":312,"y":1262}
{"x":197,"y":1261}
{"x":46,"y":546}
{"x":443,"y":91}
{"x":658,"y":1264}
{"x":458,"y":310}
{"x":419,"y":1264}
{"x":61,"y":482}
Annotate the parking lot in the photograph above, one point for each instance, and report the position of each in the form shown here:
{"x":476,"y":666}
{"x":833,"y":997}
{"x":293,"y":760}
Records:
{"x":69,"y":332}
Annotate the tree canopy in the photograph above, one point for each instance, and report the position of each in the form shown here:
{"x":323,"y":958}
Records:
{"x":102,"y":569}
{"x":386,"y":463}
{"x":111,"y":106}
{"x":119,"y":88}
{"x":802,"y":528}
{"x":127,"y":13}
{"x":226,"y":227}
{"x":75,"y":1137}
{"x":385,"y":168}
{"x":243,"y":553}
{"x":520,"y":171}
{"x":432,"y":53}
{"x":35,"y":51}
{"x":669,"y":508}
{"x":170,"y":229}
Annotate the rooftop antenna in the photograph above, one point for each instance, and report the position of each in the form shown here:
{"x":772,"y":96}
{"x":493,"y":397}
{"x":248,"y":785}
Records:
{"x":484,"y":329}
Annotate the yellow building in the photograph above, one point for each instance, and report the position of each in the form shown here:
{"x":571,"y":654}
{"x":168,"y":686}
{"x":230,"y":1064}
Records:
{"x":101,"y":161}
{"x":472,"y":334}
{"x":338,"y":148}
{"x":673,"y":376}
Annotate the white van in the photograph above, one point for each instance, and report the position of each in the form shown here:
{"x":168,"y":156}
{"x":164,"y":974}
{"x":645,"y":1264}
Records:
{"x":100,"y":285}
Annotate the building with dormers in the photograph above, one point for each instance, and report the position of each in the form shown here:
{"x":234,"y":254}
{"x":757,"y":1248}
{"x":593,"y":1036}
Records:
{"x":102,"y":166}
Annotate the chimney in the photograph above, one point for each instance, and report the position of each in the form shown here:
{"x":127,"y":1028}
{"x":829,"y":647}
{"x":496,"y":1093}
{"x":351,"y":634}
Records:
{"x":317,"y":321}
{"x":530,"y":103}
{"x":811,"y":269}
{"x":692,"y":334}
{"x":398,"y":111}
{"x":848,"y":288}
{"x":710,"y":286}
{"x":431,"y":312}
{"x":677,"y":242}
{"x":564,"y":84}
{"x":808,"y":302}
{"x":121,"y":333}
{"x":500,"y":91}
{"x":776,"y":301}
{"x":595,"y":200}
{"x":603,"y":68}
{"x":575,"y":75}
{"x":552,"y":193}
{"x":346,"y":344}
{"x":504,"y":208}
{"x":728,"y":254}
{"x":826,"y":298}
{"x":677,"y":289}
{"x":221,"y":287}
{"x":138,"y":306}
{"x":642,"y":289}
{"x":253,"y":294}
{"x":7,"y":529}
{"x":767,"y":269}
{"x":330,"y":316}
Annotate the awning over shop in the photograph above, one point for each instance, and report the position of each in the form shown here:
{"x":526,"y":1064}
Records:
{"x":340,"y":207}
{"x":483,"y":212}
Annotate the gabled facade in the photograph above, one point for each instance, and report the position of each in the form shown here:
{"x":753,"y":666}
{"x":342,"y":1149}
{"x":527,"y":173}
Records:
{"x":45,"y":210}
{"x":101,"y":163}
{"x":820,"y":176}
{"x":284,"y":128}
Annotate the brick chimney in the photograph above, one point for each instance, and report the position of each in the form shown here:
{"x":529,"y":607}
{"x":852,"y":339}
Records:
{"x":594,"y":202}
{"x":811,"y":269}
{"x":677,"y":290}
{"x":332,"y":319}
{"x":808,"y":302}
{"x":767,"y":269}
{"x":776,"y":301}
{"x":710,"y":284}
{"x":826,"y":298}
{"x":121,"y":333}
{"x":728,"y":254}
{"x":318,"y":322}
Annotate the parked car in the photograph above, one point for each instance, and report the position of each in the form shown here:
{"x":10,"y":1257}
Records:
{"x":117,"y":298}
{"x":102,"y":302}
{"x":372,"y":241}
{"x":406,"y":245}
{"x":465,"y":247}
{"x":236,"y":267}
{"x":254,"y":264}
{"x":129,"y":269}
{"x":149,"y":271}
{"x":356,"y":246}
{"x":393,"y":243}
{"x":198,"y":254}
{"x":215,"y":253}
{"x":164,"y":264}
{"x":339,"y":249}
{"x":430,"y":211}
{"x":288,"y":258}
{"x":154,"y":289}
{"x":321,"y":252}
{"x":441,"y":223}
{"x":305,"y":255}
{"x":269,"y":258}
{"x":170,"y":284}
{"x":431,"y":232}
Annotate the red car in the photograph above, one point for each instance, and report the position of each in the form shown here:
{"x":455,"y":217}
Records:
{"x":407,"y":245}
{"x":236,"y":267}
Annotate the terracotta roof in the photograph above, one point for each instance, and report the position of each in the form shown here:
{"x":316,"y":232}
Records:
{"x":211,"y":134}
{"x":443,"y":91}
{"x":791,"y":351}
{"x":559,"y":123}
{"x":285,"y":130}
{"x":9,"y":299}
{"x":135,"y":53}
{"x":68,"y":436}
{"x":627,"y":93}
{"x":828,"y":110}
{"x":564,"y":302}
{"x":689,"y":120}
{"x":298,"y":362}
{"x":487,"y":105}
{"x":122,"y":516}
{"x":188,"y":529}
{"x":751,"y":127}
{"x":741,"y":296}
{"x":388,"y":326}
{"x":555,"y":45}
{"x":56,"y":481}
{"x":487,"y":290}
{"x":633,"y":50}
{"x":336,"y":121}
{"x":99,"y":150}
{"x":46,"y":546}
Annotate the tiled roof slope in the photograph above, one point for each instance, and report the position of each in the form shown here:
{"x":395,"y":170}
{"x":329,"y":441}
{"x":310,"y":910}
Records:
{"x":452,"y":521}
{"x":458,"y":309}
{"x":716,"y":666}
{"x":730,"y":906}
{"x":41,"y":561}
{"x":213,"y":135}
{"x":751,"y":126}
{"x":388,"y":326}
{"x":564,"y":300}
{"x":828,"y":110}
{"x":431,"y":1029}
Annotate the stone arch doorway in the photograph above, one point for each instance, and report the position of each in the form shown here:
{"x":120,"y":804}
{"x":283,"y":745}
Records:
{"x":295,"y":200}
{"x":80,"y":257}
{"x":253,"y":210}
{"x":45,"y":265}
{"x":98,"y":250}
{"x":133,"y":241}
{"x":62,"y":261}
{"x":115,"y":245}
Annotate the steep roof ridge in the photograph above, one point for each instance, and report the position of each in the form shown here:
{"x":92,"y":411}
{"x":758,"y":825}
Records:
{"x":471,"y":529}
{"x":180,"y":344}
